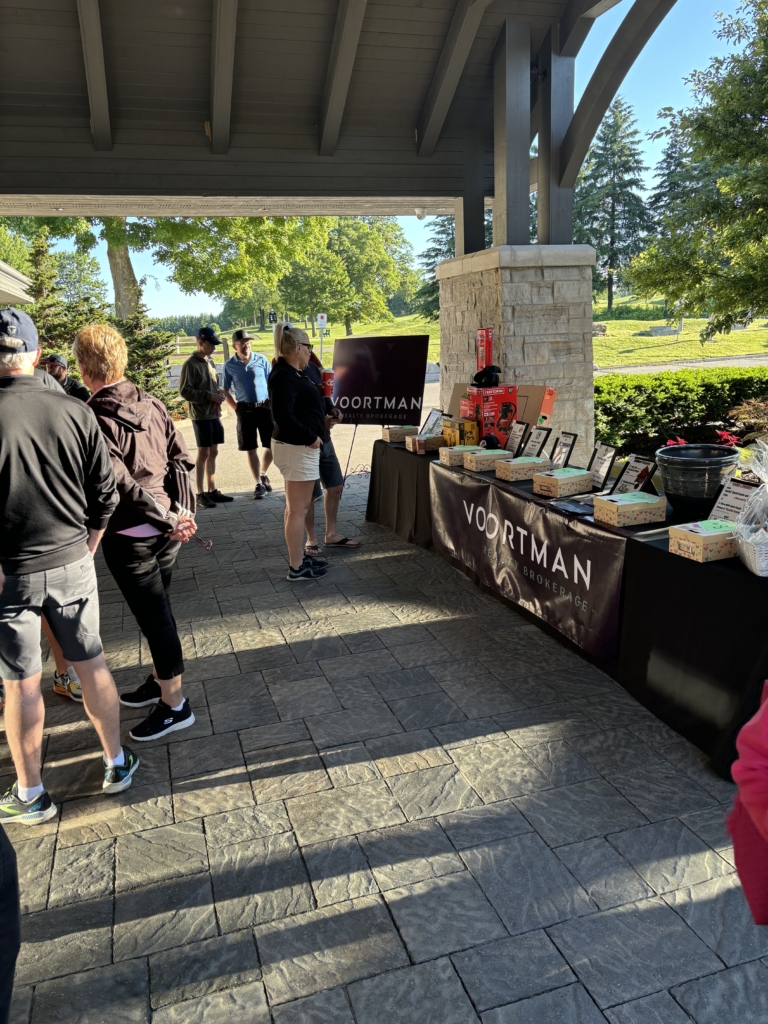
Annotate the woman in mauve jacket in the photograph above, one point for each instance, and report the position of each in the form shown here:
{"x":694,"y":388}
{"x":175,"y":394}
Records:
{"x":154,"y":516}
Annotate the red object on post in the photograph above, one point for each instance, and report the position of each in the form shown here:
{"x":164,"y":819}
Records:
{"x":484,"y":347}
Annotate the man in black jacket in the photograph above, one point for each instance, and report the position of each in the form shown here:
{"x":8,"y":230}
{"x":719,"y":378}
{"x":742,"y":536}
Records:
{"x":57,"y":491}
{"x":57,"y":367}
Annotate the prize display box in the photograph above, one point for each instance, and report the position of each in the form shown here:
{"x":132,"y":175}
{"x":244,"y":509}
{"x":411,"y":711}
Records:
{"x":398,"y":433}
{"x":483,"y":459}
{"x":493,"y":409}
{"x":562,"y":483}
{"x":429,"y":443}
{"x":454,"y":456}
{"x":631,"y":509}
{"x":522,"y":468}
{"x":458,"y":432}
{"x":706,"y":541}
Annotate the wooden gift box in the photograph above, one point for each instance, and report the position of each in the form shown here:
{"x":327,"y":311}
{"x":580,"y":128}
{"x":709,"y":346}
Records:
{"x":631,"y":509}
{"x":522,"y":468}
{"x":455,"y":456}
{"x":483,"y":459}
{"x":562,"y":483}
{"x":705,"y":541}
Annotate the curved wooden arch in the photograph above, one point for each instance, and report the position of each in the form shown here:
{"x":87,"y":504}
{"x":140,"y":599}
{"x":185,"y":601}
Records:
{"x":630,"y":39}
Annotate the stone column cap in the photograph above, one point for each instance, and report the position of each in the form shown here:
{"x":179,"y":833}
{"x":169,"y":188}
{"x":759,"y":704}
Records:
{"x":519,"y":257}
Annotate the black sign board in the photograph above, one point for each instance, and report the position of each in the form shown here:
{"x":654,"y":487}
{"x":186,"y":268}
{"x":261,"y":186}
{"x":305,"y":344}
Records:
{"x":380,"y":380}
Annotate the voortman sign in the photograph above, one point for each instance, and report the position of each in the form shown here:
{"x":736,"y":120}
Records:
{"x":380,"y":380}
{"x":564,"y":570}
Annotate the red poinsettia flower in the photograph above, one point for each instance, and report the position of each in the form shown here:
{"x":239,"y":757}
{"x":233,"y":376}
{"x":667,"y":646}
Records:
{"x":726,"y":438}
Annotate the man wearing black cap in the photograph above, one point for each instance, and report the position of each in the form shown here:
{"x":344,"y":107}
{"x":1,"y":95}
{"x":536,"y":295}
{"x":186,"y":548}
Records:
{"x":54,"y":516}
{"x":199,"y":385}
{"x":57,"y":367}
{"x":246,"y":375}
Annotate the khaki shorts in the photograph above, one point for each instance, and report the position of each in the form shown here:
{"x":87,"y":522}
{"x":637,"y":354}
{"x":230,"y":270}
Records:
{"x":295,"y":461}
{"x":69,"y":599}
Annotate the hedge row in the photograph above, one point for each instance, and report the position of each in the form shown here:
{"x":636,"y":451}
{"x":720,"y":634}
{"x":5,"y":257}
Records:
{"x":637,"y":411}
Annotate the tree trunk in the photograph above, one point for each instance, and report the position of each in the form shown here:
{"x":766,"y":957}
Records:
{"x":127,"y":291}
{"x":610,"y":289}
{"x":348,"y":325}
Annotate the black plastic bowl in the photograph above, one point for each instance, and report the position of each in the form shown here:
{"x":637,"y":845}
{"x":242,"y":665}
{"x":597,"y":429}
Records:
{"x":692,"y":474}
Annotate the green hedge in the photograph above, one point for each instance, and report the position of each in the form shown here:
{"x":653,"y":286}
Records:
{"x":642,"y":410}
{"x":626,"y":312}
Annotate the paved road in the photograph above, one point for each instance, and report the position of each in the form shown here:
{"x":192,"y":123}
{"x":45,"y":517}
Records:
{"x":700,"y":364}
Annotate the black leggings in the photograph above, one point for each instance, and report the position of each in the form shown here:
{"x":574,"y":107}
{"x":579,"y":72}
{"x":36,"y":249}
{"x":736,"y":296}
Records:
{"x":10,"y":922}
{"x":142,"y":568}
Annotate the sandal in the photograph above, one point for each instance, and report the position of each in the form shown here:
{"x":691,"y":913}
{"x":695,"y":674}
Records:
{"x":313,"y":550}
{"x":345,"y":542}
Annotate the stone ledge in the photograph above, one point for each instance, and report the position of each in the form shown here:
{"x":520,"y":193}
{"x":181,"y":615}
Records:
{"x":517,"y":256}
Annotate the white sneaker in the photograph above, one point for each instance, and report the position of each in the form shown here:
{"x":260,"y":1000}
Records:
{"x":66,"y":686}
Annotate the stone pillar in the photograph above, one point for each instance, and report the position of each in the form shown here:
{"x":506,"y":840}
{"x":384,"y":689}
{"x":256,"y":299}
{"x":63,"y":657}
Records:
{"x":538,"y":300}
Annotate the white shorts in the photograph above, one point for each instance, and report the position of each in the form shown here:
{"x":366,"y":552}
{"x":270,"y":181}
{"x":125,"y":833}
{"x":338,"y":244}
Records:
{"x":295,"y":461}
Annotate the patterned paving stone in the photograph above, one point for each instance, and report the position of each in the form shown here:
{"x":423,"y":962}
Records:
{"x":658,"y":1009}
{"x":614,"y":711}
{"x":194,"y":970}
{"x":65,"y":940}
{"x":499,"y":770}
{"x":709,"y":825}
{"x":301,"y":698}
{"x":614,"y":750}
{"x":354,"y":666}
{"x":278,"y":773}
{"x":352,"y":726}
{"x":21,"y":1004}
{"x":343,"y":812}
{"x":475,"y":730}
{"x":349,"y":765}
{"x":34,"y":858}
{"x":93,"y":818}
{"x":669,"y":856}
{"x":404,"y":854}
{"x":327,"y":948}
{"x":432,"y":791}
{"x":116,"y":993}
{"x":560,"y":763}
{"x":265,"y":736}
{"x":244,"y":1003}
{"x":259,"y":881}
{"x":569,"y":1005}
{"x":427,"y":993}
{"x":570,"y":814}
{"x":407,"y":752}
{"x":338,"y":871}
{"x":511,"y":969}
{"x":167,"y":852}
{"x":632,"y":951}
{"x":425,"y":711}
{"x":661,"y":792}
{"x":483,"y":824}
{"x":164,"y":915}
{"x":717,"y":911}
{"x":83,"y":873}
{"x":245,"y":824}
{"x":402,"y":683}
{"x":540,"y":725}
{"x":739,"y":994}
{"x":603,"y":873}
{"x":321,"y":1009}
{"x":236,"y":715}
{"x":526,"y":883}
{"x":208,"y":754}
{"x":351,"y":693}
{"x":198,"y":795}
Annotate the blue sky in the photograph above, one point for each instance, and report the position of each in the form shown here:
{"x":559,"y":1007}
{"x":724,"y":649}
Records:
{"x":684,"y":42}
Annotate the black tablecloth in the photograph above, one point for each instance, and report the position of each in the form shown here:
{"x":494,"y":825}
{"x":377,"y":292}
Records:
{"x":694,"y":642}
{"x":399,"y":493}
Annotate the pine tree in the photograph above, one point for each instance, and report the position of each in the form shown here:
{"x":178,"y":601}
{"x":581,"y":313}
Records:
{"x":683,"y":178}
{"x":426,"y":301}
{"x":609,"y":212}
{"x":149,"y":350}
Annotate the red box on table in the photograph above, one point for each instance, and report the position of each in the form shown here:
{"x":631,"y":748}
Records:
{"x":494,"y":409}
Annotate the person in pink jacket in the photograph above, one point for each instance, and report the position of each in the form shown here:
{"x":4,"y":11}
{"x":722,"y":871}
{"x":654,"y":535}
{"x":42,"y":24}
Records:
{"x":748,"y":822}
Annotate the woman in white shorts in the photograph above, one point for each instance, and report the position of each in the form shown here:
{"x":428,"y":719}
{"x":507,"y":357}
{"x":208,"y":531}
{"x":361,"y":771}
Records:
{"x":300,"y":425}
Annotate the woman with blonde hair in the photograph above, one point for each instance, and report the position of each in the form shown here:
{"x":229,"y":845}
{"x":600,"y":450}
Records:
{"x":300,"y":426}
{"x":154,"y":516}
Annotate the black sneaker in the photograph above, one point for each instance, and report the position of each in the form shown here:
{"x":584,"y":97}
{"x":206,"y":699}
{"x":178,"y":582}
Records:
{"x":307,"y":572}
{"x":219,"y":497}
{"x":32,"y":813}
{"x":319,"y":562}
{"x":162,"y":720}
{"x":148,"y":693}
{"x":119,"y":777}
{"x":259,"y":491}
{"x":265,"y":481}
{"x":205,"y":502}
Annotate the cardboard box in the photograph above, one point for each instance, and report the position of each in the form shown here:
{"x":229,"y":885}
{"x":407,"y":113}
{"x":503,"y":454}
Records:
{"x":482,"y":460}
{"x":484,"y":347}
{"x":430,"y":443}
{"x":522,"y":468}
{"x":454,"y":456}
{"x":398,"y":433}
{"x":461,"y":432}
{"x":493,"y":409}
{"x":562,"y":483}
{"x":458,"y":392}
{"x":705,"y":541}
{"x":631,"y":509}
{"x":535,"y":403}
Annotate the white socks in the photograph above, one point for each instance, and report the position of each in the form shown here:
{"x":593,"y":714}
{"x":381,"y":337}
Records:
{"x":29,"y":793}
{"x":180,"y":706}
{"x":116,"y":762}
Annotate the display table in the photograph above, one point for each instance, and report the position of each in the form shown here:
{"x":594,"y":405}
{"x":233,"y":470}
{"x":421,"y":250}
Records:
{"x":399,"y":493}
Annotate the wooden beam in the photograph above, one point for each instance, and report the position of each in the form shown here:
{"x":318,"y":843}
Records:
{"x":575,"y":25}
{"x":641,"y":22}
{"x":222,"y":72}
{"x":511,"y":132}
{"x":461,"y":34}
{"x":349,"y":24}
{"x":95,"y":74}
{"x":556,"y":92}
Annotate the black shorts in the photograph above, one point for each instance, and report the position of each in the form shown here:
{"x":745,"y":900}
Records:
{"x":251,"y":420}
{"x":208,"y":432}
{"x":330,"y":470}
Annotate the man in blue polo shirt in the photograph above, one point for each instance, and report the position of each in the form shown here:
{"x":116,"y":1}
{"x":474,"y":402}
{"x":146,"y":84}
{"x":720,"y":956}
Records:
{"x":245,"y":375}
